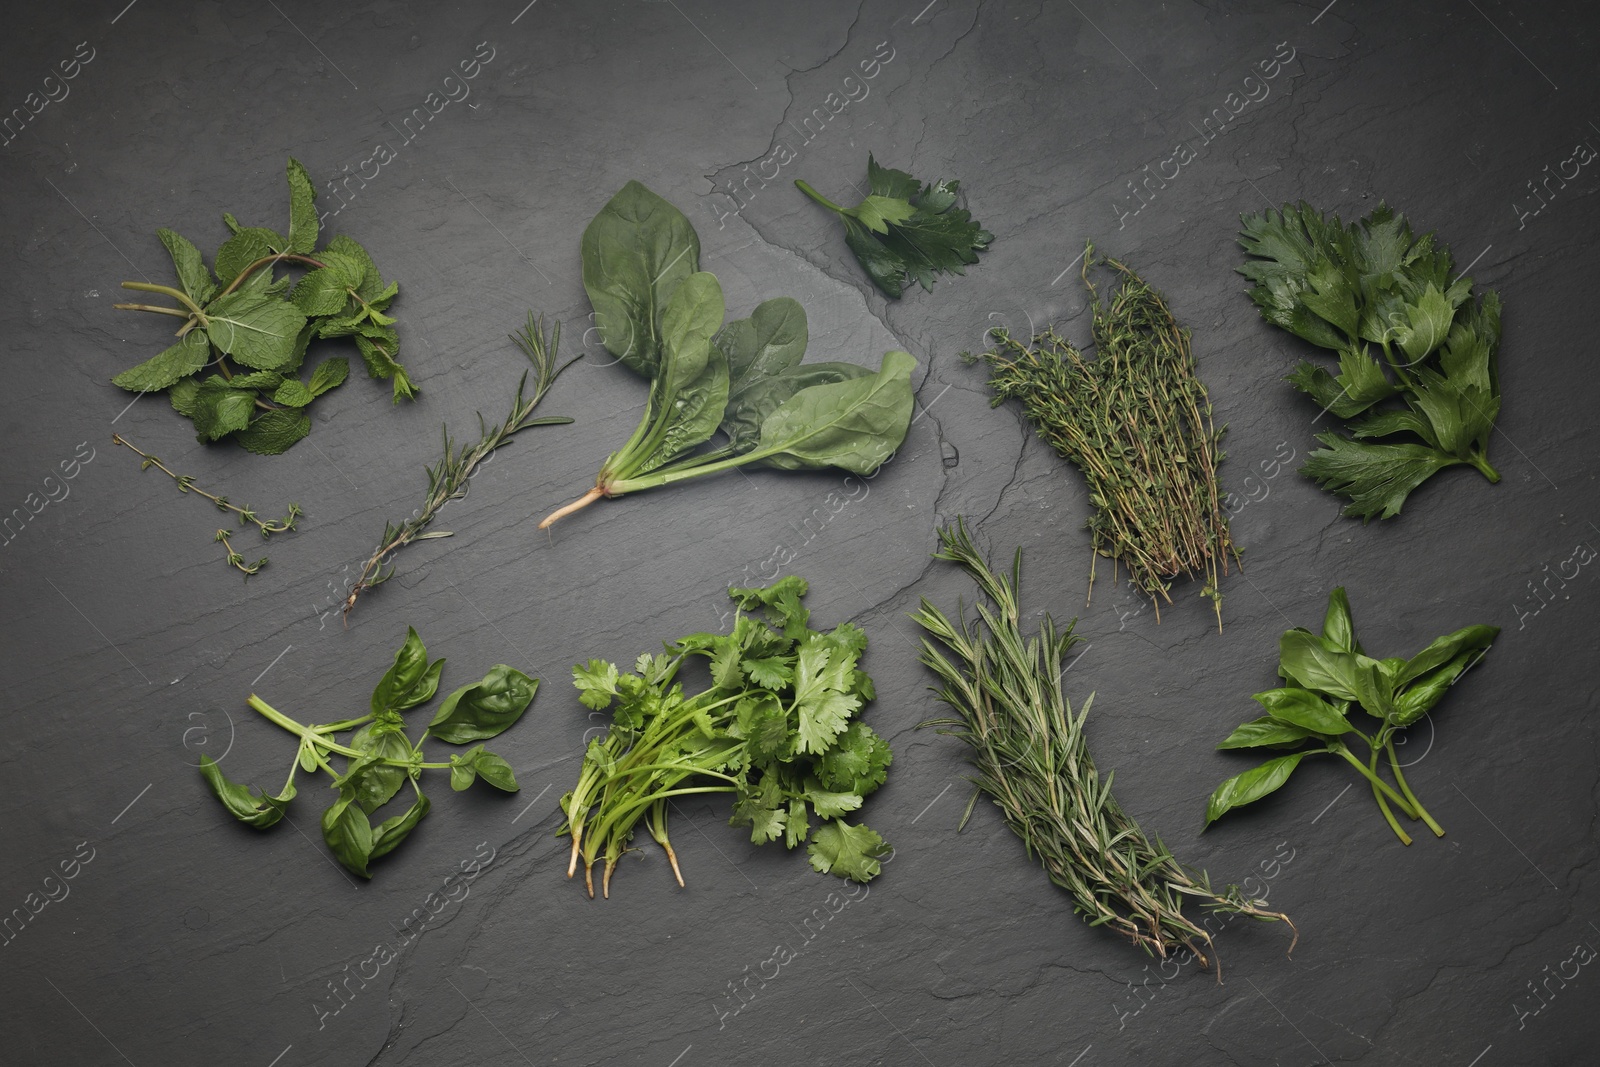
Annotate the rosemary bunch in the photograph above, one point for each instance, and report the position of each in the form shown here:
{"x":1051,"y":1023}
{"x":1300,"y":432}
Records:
{"x":1032,"y":760}
{"x":247,"y":515}
{"x":450,"y":478}
{"x":1137,"y":422}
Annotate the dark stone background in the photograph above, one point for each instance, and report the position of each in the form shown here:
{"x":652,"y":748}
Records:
{"x":130,"y":647}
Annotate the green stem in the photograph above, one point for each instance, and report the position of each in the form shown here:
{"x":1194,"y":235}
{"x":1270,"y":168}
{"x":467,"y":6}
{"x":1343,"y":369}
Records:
{"x":1481,"y":462}
{"x":818,"y":197}
{"x":1383,"y":805}
{"x":166,"y":290}
{"x":274,"y":715}
{"x":151,"y":307}
{"x":1400,"y":779}
{"x":1378,"y":783}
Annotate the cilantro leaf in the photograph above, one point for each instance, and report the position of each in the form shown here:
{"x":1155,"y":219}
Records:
{"x":769,"y":672}
{"x":822,"y":697}
{"x":847,"y":851}
{"x":858,"y":762}
{"x":597,"y":683}
{"x":905,"y":231}
{"x":830,"y":804}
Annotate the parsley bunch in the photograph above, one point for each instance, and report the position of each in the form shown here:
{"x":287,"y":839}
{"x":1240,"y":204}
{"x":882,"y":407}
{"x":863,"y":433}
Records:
{"x":239,"y":312}
{"x":1347,"y":288}
{"x":906,"y":231}
{"x":775,"y":729}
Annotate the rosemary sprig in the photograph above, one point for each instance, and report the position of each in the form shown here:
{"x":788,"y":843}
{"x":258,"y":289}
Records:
{"x":247,"y":514}
{"x":1034,"y":763}
{"x":450,"y":478}
{"x":1137,"y":422}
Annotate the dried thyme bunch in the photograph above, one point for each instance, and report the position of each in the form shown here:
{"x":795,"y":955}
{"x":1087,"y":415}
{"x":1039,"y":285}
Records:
{"x":1137,"y":422}
{"x":1034,"y":763}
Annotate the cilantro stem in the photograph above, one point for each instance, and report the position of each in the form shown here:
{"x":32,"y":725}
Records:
{"x":802,"y":185}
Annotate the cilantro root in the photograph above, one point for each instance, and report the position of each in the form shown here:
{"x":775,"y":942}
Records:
{"x":776,"y":728}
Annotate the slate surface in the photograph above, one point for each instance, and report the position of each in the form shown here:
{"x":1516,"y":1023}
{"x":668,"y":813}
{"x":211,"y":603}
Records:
{"x":186,"y":939}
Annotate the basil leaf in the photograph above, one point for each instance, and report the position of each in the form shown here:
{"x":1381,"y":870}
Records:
{"x":636,"y":252}
{"x":391,"y":832}
{"x":1446,"y":648}
{"x":1427,"y":691}
{"x":1338,"y":629}
{"x":476,"y":763}
{"x":1265,"y":731}
{"x":481,"y":711}
{"x":258,"y":811}
{"x":1375,"y":686}
{"x":1252,"y":785}
{"x":412,"y":680}
{"x":380,"y":782}
{"x":1299,"y":707}
{"x":854,"y":425}
{"x":1305,"y":658}
{"x":348,"y":833}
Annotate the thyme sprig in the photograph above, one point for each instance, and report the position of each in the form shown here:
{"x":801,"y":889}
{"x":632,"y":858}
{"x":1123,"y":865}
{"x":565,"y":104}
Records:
{"x":247,"y":514}
{"x":1137,"y":422}
{"x":1033,"y":761}
{"x":450,"y":478}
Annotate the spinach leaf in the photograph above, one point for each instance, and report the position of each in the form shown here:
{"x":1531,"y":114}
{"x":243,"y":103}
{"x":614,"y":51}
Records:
{"x":748,"y":409}
{"x":847,"y":424}
{"x":636,"y":252}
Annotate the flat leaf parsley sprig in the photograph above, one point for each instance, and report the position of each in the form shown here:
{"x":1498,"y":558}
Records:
{"x":1346,"y":288}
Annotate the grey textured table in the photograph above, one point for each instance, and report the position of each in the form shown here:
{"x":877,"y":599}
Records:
{"x":184,"y":938}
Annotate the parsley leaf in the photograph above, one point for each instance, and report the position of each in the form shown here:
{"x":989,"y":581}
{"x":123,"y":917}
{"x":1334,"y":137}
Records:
{"x":905,"y":231}
{"x":1347,"y":288}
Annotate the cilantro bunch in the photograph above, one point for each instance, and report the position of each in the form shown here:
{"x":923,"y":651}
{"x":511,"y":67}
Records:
{"x":906,"y":231}
{"x":380,"y":760}
{"x":1372,"y":283}
{"x":252,"y":329}
{"x":774,"y":729}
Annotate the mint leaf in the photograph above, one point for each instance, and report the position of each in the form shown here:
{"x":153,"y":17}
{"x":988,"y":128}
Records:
{"x":322,"y":291}
{"x":302,"y":209}
{"x":182,"y":396}
{"x":244,"y":248}
{"x":847,"y":851}
{"x":220,"y":410}
{"x":257,"y":331}
{"x":330,"y":374}
{"x":272,"y":432}
{"x":193,"y":277}
{"x":292,"y":393}
{"x":257,"y":379}
{"x":158,"y":372}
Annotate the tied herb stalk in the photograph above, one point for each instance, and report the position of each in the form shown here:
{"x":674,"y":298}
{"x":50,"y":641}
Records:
{"x":247,"y":515}
{"x":1137,"y":422}
{"x":451,"y":477}
{"x":1033,"y":761}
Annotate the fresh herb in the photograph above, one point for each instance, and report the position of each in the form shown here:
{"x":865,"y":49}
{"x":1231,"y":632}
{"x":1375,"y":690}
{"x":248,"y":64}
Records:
{"x":247,"y":515}
{"x":663,"y":318}
{"x":380,"y":759}
{"x":1328,"y":675}
{"x":905,"y":230}
{"x":1346,"y":288}
{"x":450,"y":478}
{"x":1137,"y":422}
{"x":245,"y":315}
{"x":1033,"y":761}
{"x":776,"y":728}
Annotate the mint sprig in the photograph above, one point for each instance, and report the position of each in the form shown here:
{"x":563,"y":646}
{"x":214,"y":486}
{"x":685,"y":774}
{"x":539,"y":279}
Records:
{"x":253,"y":329}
